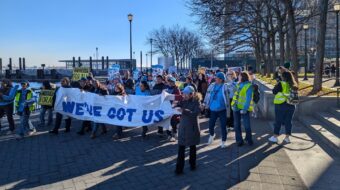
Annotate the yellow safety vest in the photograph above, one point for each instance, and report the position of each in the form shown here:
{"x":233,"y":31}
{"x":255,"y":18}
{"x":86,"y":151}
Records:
{"x":282,"y":97}
{"x":240,"y":97}
{"x":29,"y":95}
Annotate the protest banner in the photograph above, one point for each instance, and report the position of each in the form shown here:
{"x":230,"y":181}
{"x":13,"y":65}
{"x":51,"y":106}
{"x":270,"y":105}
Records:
{"x":157,"y":70}
{"x":127,"y":111}
{"x":80,"y":72}
{"x":46,"y":97}
{"x":113,"y":72}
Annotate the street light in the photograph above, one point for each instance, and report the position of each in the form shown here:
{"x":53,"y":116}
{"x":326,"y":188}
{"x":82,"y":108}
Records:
{"x":337,"y":10}
{"x":305,"y":27}
{"x":130,"y":17}
{"x":151,"y":50}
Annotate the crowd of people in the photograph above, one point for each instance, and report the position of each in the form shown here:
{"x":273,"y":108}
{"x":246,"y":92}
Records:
{"x":230,"y":96}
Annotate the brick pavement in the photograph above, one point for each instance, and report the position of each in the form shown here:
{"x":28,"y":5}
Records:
{"x":68,"y":161}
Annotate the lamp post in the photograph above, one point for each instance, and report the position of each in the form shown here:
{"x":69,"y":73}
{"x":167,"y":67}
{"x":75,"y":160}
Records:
{"x":305,"y":27}
{"x":151,"y":50}
{"x":337,"y":10}
{"x":130,"y":17}
{"x":146,"y":60}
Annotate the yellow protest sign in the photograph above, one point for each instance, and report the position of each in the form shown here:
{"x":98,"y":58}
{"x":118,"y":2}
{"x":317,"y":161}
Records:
{"x":46,"y":97}
{"x":80,"y":72}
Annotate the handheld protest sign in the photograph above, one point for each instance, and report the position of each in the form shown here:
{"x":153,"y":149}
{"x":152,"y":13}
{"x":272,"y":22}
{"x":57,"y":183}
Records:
{"x":113,"y":72}
{"x":46,"y":97}
{"x":157,"y":70}
{"x":80,"y":72}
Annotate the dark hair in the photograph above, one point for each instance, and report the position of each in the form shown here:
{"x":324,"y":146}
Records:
{"x":189,"y":78}
{"x":129,"y":83}
{"x":47,"y":84}
{"x":160,"y":76}
{"x":7,"y":82}
{"x":146,"y":85}
{"x":288,"y":77}
{"x":245,"y":76}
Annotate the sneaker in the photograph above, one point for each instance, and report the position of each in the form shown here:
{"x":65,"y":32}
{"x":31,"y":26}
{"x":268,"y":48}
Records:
{"x":80,"y":133}
{"x":273,"y":139}
{"x":211,"y":139}
{"x":240,"y":144}
{"x":171,"y":139}
{"x":32,"y":132}
{"x":93,"y":136}
{"x":287,"y":140}
{"x":223,"y":144}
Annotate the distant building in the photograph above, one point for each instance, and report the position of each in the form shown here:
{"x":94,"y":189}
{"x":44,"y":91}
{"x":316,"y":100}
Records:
{"x":99,"y":64}
{"x":166,"y":62}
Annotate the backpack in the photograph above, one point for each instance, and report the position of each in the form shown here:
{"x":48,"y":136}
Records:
{"x":293,"y":98}
{"x":256,"y":97}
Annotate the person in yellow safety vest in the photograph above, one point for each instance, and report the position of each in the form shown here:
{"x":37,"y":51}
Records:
{"x":24,"y":104}
{"x":283,"y":111}
{"x":242,"y":104}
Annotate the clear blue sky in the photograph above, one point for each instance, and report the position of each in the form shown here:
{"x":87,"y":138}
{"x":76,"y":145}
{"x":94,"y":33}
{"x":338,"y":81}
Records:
{"x":45,"y":31}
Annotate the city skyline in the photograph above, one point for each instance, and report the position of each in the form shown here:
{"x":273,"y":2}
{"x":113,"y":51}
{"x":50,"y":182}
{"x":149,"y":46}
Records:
{"x":45,"y":32}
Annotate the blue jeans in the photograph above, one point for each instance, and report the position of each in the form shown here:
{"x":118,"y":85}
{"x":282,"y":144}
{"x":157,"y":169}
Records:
{"x":237,"y":126}
{"x":24,"y":126}
{"x":223,"y":119}
{"x":42,"y":116}
{"x":283,"y":116}
{"x":95,"y":127}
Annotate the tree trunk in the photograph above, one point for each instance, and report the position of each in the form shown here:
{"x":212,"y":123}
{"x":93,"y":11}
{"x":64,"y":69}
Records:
{"x":293,"y":36}
{"x":273,"y":54}
{"x":320,"y":46}
{"x":287,"y":54}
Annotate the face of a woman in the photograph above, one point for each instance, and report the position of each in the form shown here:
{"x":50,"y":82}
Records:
{"x":142,"y":87}
{"x":187,"y":96}
{"x":117,"y":89}
{"x":240,"y":78}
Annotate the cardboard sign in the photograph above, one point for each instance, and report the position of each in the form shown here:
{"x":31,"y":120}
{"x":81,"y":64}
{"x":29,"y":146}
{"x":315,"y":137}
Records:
{"x":113,"y":72}
{"x":80,"y":72}
{"x":46,"y":97}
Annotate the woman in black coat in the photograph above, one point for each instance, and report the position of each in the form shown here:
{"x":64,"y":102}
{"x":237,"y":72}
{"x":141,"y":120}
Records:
{"x":189,"y":130}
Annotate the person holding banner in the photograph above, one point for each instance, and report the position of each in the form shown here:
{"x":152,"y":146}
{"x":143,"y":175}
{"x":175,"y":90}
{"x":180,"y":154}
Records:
{"x":118,"y":91}
{"x":144,"y":91}
{"x":85,"y":85}
{"x":65,"y":83}
{"x":189,"y":130}
{"x":100,"y":90}
{"x":173,"y":89}
{"x":46,"y":102}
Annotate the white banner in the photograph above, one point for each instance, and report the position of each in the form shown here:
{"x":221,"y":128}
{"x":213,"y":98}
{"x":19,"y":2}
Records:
{"x":128,"y":111}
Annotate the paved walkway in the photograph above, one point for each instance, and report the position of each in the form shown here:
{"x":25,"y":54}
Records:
{"x":68,"y":161}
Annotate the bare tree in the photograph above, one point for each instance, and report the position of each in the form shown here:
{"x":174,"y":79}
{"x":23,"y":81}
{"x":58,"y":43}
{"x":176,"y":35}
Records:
{"x":177,"y":42}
